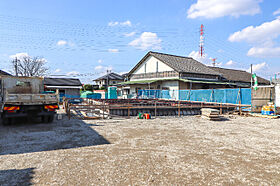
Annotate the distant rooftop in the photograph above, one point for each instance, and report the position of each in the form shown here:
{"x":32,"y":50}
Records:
{"x":5,"y":73}
{"x":62,"y":81}
{"x":111,"y":76}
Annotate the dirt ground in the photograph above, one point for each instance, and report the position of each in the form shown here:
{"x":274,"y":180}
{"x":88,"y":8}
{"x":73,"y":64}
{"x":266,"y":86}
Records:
{"x":162,"y":151}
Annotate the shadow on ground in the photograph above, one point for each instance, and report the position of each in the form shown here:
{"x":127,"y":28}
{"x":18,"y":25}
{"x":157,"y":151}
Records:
{"x":35,"y":137}
{"x":21,"y":177}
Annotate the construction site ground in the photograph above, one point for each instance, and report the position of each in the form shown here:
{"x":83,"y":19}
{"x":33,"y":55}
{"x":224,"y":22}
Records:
{"x":169,"y":150}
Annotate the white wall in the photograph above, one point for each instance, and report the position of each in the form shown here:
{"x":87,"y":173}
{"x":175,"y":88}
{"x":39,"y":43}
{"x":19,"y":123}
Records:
{"x":151,"y":66}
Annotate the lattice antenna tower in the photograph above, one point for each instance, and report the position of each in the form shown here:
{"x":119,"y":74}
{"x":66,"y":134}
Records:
{"x":201,"y":41}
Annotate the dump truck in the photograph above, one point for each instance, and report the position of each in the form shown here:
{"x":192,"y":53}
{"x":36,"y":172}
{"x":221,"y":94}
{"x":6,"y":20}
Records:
{"x":24,"y":97}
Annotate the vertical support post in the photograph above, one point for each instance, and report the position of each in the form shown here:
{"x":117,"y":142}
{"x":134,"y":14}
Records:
{"x":128,"y":112}
{"x":68,"y":111}
{"x":109,"y":111}
{"x":240,"y":111}
{"x":103,"y":109}
{"x":155,"y":109}
{"x":179,"y":110}
{"x":221,"y":109}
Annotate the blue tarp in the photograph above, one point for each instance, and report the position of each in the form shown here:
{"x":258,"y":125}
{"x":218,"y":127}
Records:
{"x":209,"y":95}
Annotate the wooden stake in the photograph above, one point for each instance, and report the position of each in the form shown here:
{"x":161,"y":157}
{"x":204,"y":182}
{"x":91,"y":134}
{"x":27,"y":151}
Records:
{"x":179,"y":110}
{"x":240,"y":111}
{"x":221,"y":109}
{"x":155,"y":109}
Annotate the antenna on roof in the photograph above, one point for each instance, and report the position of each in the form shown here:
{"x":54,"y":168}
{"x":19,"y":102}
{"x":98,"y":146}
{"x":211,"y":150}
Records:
{"x":201,"y":41}
{"x":214,"y":62}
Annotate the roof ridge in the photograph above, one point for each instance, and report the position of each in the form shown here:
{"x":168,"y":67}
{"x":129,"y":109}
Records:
{"x":170,"y":55}
{"x":229,"y":69}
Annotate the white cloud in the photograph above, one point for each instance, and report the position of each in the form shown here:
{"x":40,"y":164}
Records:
{"x":113,"y":50}
{"x":230,"y":63}
{"x":220,"y":8}
{"x":264,"y":33}
{"x":126,"y":23}
{"x":257,"y":67}
{"x":116,"y":23}
{"x":65,"y":43}
{"x":73,"y":73}
{"x":19,"y":55}
{"x":57,"y":70}
{"x":129,"y":34}
{"x":100,"y":61}
{"x":61,"y":43}
{"x":277,"y":12}
{"x":220,"y":50}
{"x":204,"y":59}
{"x":264,"y":52}
{"x":261,"y":37}
{"x":113,"y":23}
{"x":103,"y":68}
{"x":99,"y":67}
{"x":22,"y":55}
{"x":147,"y":40}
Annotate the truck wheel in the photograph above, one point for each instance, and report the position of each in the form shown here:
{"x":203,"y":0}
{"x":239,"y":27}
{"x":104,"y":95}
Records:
{"x":48,"y":119}
{"x":5,"y":121}
{"x":51,"y":117}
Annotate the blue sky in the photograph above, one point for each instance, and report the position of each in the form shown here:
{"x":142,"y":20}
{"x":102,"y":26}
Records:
{"x":88,"y":37}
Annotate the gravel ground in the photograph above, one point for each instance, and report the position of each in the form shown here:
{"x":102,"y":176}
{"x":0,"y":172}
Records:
{"x":163,"y":151}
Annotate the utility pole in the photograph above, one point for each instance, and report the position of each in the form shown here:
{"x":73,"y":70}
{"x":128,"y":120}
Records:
{"x":214,"y":62}
{"x":108,"y":78}
{"x":251,"y":69}
{"x":16,"y":66}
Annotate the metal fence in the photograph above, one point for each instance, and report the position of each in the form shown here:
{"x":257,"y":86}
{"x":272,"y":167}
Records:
{"x":234,"y":96}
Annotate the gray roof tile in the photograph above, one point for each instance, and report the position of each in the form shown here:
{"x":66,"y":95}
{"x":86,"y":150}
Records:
{"x":238,"y":75}
{"x":184,"y":64}
{"x":62,"y":81}
{"x":111,"y":76}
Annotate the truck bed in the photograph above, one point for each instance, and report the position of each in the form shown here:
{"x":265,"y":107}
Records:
{"x":30,"y":99}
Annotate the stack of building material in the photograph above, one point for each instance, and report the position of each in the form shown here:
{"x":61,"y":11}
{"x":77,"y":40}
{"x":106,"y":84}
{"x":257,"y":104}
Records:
{"x":211,"y":114}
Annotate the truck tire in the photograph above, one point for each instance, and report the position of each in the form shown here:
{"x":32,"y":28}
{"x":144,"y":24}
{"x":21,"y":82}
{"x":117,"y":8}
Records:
{"x":51,"y":118}
{"x":5,"y":121}
{"x":48,"y":119}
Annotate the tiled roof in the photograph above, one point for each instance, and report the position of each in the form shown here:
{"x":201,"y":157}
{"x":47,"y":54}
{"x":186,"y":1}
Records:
{"x":237,"y":75}
{"x":111,"y":76}
{"x":179,"y":63}
{"x":62,"y":81}
{"x":183,"y":64}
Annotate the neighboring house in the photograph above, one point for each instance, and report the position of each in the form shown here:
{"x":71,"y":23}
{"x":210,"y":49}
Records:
{"x":4,"y":73}
{"x":112,"y":78}
{"x":66,"y":86}
{"x":170,"y":72}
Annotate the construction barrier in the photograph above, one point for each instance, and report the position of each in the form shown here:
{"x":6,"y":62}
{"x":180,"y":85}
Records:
{"x":234,"y":96}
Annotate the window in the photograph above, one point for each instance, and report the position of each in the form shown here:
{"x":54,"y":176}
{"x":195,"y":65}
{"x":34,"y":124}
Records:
{"x":145,"y":68}
{"x":157,"y":66}
{"x":23,"y":84}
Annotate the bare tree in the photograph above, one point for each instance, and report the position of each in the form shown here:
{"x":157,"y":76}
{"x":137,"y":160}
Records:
{"x":28,"y":66}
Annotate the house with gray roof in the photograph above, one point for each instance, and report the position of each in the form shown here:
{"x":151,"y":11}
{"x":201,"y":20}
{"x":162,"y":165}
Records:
{"x":170,"y":72}
{"x":66,"y":86}
{"x":111,"y":79}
